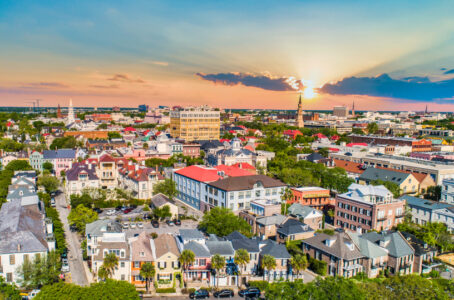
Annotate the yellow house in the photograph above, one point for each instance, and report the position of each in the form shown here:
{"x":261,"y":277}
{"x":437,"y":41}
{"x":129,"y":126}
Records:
{"x":166,"y":259}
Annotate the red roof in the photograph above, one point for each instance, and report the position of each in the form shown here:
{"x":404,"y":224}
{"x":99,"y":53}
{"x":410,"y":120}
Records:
{"x":233,"y":171}
{"x":292,"y":133}
{"x":244,"y":166}
{"x":320,"y":136}
{"x":349,"y":166}
{"x":106,"y":158}
{"x":232,"y":131}
{"x":335,"y":137}
{"x":146,"y":132}
{"x":333,"y":149}
{"x":9,"y":124}
{"x":356,"y":144}
{"x":129,"y":129}
{"x":224,"y":140}
{"x":249,"y":147}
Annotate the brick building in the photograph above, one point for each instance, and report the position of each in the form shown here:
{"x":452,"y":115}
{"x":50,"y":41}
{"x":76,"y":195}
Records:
{"x":315,"y":197}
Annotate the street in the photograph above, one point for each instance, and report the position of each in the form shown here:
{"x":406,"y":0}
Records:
{"x":76,"y":266}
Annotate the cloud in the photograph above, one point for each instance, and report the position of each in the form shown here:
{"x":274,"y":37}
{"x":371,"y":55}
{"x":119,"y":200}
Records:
{"x":99,"y":86}
{"x":449,"y":72}
{"x":159,"y":63}
{"x":264,"y":81}
{"x":412,"y":88}
{"x":125,"y":78}
{"x":44,"y":85}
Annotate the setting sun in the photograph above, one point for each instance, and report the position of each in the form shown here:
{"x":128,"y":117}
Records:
{"x":308,"y":92}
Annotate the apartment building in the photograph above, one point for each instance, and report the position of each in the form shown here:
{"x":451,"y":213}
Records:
{"x":195,"y":123}
{"x":316,"y":197}
{"x":367,"y":207}
{"x":117,"y":244}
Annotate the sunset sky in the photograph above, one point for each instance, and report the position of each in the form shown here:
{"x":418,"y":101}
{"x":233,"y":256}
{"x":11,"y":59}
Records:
{"x":384,"y":55}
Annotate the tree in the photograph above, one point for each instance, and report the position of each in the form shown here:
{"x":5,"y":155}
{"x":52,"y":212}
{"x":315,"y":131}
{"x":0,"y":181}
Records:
{"x":187,"y":258}
{"x":241,"y":258}
{"x":68,"y":142}
{"x":217,"y":263}
{"x":109,"y":264}
{"x":324,"y":152}
{"x":222,"y":221}
{"x":50,"y":183}
{"x":103,"y":273}
{"x":162,"y":213}
{"x":18,"y":165}
{"x":299,"y":263}
{"x":433,"y":193}
{"x":286,"y":196}
{"x":166,"y":187}
{"x":268,"y":264}
{"x":48,"y":166}
{"x":42,"y":270}
{"x":81,"y":216}
{"x":372,"y":128}
{"x":9,"y":291}
{"x":147,"y":271}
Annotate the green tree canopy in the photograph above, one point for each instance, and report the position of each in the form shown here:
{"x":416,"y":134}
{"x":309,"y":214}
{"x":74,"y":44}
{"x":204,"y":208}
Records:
{"x":222,"y":221}
{"x":81,"y":216}
{"x":63,"y":142}
{"x":166,"y":187}
{"x":50,"y":183}
{"x":48,"y":166}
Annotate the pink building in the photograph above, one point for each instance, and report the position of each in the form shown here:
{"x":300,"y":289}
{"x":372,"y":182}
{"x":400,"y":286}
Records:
{"x":61,"y":159}
{"x":367,"y":207}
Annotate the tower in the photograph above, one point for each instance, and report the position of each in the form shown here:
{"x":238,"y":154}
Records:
{"x":353,"y":109}
{"x":71,"y":118}
{"x":426,"y":112}
{"x":59,"y":116}
{"x":299,"y":116}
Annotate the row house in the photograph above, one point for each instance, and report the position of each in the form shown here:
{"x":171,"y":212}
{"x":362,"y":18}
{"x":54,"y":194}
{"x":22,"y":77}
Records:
{"x":234,"y":154}
{"x":36,"y":160}
{"x":61,"y":159}
{"x":140,"y":181}
{"x":306,"y":214}
{"x":81,"y":176}
{"x":425,"y":211}
{"x":166,"y":254}
{"x":367,"y":207}
{"x":107,"y":172}
{"x":97,"y":231}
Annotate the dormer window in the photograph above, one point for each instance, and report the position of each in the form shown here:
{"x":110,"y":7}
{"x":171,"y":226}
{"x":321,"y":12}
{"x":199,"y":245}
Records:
{"x":330,"y":242}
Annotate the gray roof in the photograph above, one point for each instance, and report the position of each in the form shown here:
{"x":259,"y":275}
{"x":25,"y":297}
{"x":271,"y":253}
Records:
{"x":275,"y":250}
{"x":271,"y":220}
{"x":198,"y":249}
{"x":77,"y":168}
{"x":191,"y":234}
{"x":19,"y":192}
{"x":98,"y":227}
{"x":385,"y":175}
{"x":339,"y":247}
{"x":240,"y":241}
{"x":160,"y":200}
{"x":22,"y":228}
{"x":292,"y":226}
{"x":424,"y":203}
{"x":224,"y":248}
{"x":394,"y":242}
{"x":300,"y":210}
{"x":366,"y":247}
{"x":60,"y":153}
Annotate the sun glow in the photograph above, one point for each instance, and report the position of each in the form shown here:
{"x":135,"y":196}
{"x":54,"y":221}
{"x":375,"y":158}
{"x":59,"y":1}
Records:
{"x":308,"y":92}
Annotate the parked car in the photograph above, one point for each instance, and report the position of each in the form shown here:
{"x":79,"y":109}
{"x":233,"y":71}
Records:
{"x":118,"y":208}
{"x":155,"y":224}
{"x":133,"y":206}
{"x":127,"y":211}
{"x":251,"y":292}
{"x":170,"y":222}
{"x":64,"y":265}
{"x":110,"y":212}
{"x":146,"y":217}
{"x":132,"y":225}
{"x":64,"y":254}
{"x":140,"y":225}
{"x":73,"y":228}
{"x":226,"y":293}
{"x":199,"y":294}
{"x":177,"y":222}
{"x":97,"y":209}
{"x":52,"y":202}
{"x":125,"y":225}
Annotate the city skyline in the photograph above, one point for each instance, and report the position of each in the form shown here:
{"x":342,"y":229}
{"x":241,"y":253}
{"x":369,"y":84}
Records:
{"x":384,"y":56}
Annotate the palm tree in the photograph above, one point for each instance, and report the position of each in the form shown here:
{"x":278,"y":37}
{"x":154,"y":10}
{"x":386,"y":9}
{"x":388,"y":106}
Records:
{"x":242,"y":259}
{"x":299,"y":263}
{"x":268,"y":263}
{"x":147,"y":271}
{"x":110,"y":262}
{"x":218,"y":263}
{"x":286,"y":195}
{"x":187,"y":258}
{"x":103,"y":273}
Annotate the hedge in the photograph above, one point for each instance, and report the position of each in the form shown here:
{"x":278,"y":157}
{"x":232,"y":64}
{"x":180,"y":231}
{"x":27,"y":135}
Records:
{"x":260,"y":284}
{"x":166,"y":290}
{"x":318,"y":266}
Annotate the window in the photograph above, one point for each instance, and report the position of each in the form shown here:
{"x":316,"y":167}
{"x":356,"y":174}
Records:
{"x":122,"y":264}
{"x":137,"y":264}
{"x":202,"y":262}
{"x":9,"y":277}
{"x":12,"y":259}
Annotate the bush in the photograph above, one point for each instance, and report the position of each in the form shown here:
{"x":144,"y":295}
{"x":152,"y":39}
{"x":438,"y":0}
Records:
{"x":187,"y":291}
{"x":318,"y":266}
{"x":154,"y":235}
{"x":261,"y":284}
{"x":166,"y":290}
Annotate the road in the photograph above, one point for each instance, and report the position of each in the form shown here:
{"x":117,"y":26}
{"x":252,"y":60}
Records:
{"x":76,"y":266}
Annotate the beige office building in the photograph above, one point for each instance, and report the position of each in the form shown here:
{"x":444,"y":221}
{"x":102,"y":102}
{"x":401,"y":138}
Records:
{"x":340,"y":111}
{"x":195,"y":123}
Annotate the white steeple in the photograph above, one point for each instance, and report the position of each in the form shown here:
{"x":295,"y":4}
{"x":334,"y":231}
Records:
{"x":71,"y":118}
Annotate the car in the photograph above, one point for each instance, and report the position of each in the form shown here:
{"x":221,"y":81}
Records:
{"x":177,"y":222}
{"x":140,"y":225}
{"x":155,"y":224}
{"x":97,"y":209}
{"x":52,"y":202}
{"x":199,"y":294}
{"x":251,"y":292}
{"x":133,"y":206}
{"x":127,"y":211}
{"x":73,"y":227}
{"x":125,"y":225}
{"x":64,"y":265}
{"x":64,"y":254}
{"x":118,"y":208}
{"x":170,"y":222}
{"x":110,"y":212}
{"x":132,"y":225}
{"x":226,"y":293}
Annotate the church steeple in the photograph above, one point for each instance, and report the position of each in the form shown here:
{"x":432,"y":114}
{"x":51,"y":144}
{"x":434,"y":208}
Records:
{"x":299,"y":116}
{"x":353,"y":109}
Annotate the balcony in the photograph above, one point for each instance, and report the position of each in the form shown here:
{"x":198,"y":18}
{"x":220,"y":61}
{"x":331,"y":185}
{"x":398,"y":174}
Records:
{"x":381,"y":218}
{"x":399,"y":216}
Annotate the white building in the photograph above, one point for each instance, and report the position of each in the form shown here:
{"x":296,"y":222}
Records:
{"x":447,"y":191}
{"x":81,"y":176}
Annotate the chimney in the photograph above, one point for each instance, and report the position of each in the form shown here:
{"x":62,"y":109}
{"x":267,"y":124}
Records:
{"x":19,"y":246}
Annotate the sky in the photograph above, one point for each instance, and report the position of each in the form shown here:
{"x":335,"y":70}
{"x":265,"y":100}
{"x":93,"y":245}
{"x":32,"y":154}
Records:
{"x":381,"y":55}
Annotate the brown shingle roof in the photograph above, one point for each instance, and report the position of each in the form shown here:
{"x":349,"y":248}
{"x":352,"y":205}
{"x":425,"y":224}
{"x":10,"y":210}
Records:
{"x":141,"y":244}
{"x":349,"y":166}
{"x":245,"y":182}
{"x":165,"y":243}
{"x":339,"y":248}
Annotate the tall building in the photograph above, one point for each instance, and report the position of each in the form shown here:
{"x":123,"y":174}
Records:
{"x":340,"y":111}
{"x":195,"y":123}
{"x":70,"y":118}
{"x":299,"y":116}
{"x":353,"y":110}
{"x":59,"y":115}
